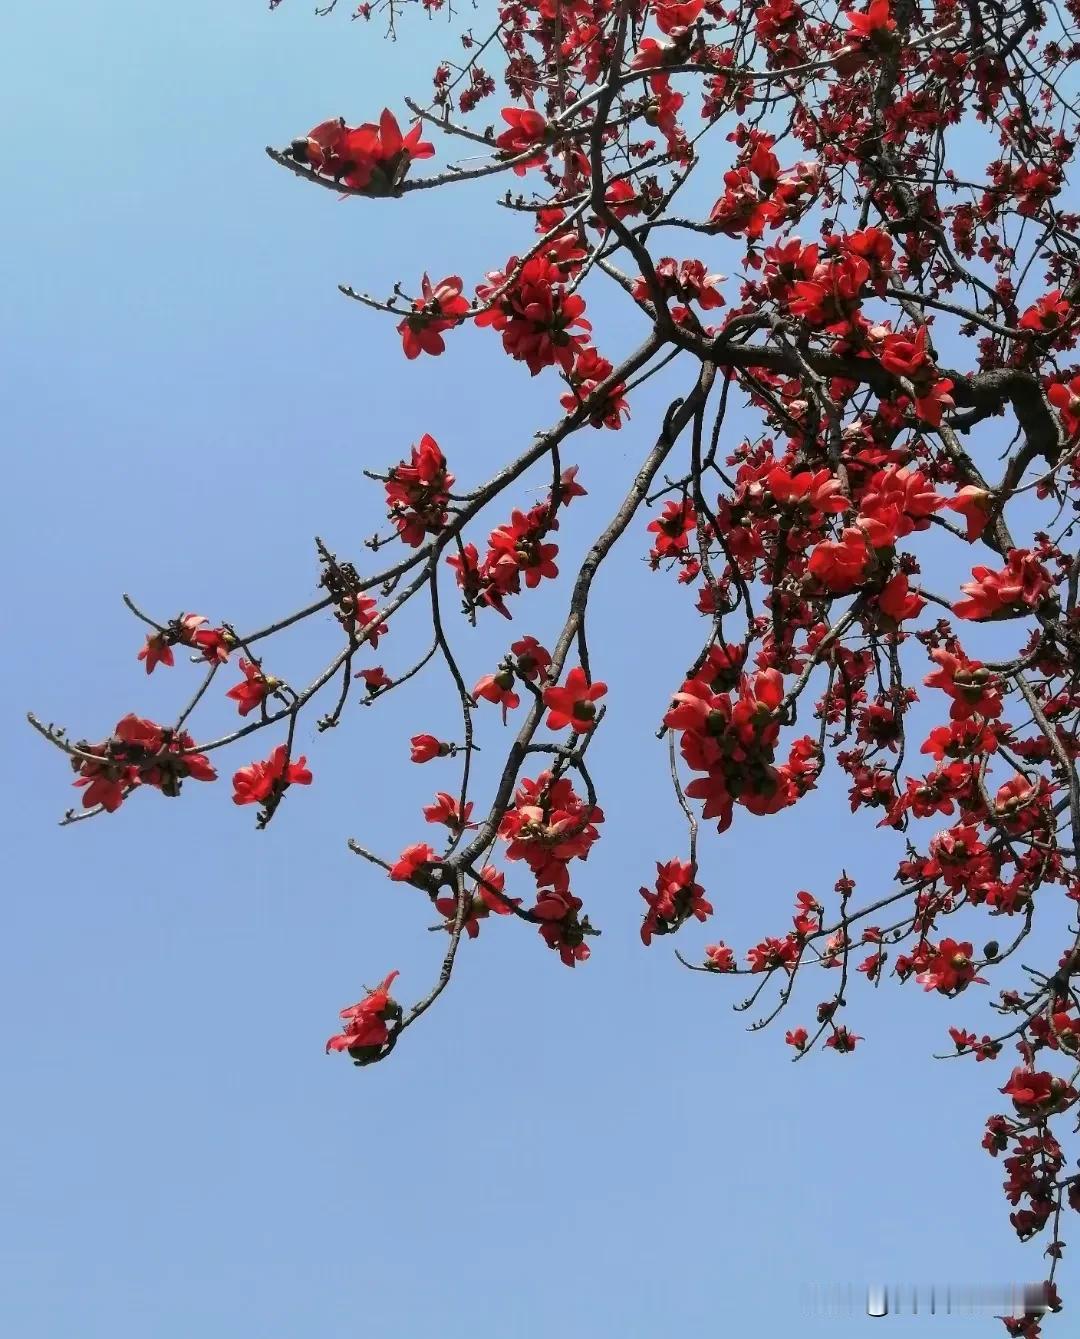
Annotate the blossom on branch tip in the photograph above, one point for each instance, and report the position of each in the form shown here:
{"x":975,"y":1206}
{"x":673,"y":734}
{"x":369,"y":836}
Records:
{"x":426,"y":747}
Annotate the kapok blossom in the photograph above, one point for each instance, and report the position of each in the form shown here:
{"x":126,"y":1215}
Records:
{"x":262,"y":781}
{"x":365,"y":1032}
{"x":574,"y":704}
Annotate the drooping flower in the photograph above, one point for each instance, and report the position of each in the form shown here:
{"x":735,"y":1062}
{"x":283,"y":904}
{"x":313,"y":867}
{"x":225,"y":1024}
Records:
{"x":498,"y":688}
{"x":365,"y":1032}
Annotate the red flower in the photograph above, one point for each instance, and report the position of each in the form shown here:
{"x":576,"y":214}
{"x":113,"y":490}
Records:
{"x":673,"y":529}
{"x":541,"y":324}
{"x":1048,"y":314}
{"x":896,"y":503}
{"x":426,"y":747}
{"x":876,"y":19}
{"x":974,"y":689}
{"x":187,"y":630}
{"x":441,"y":307}
{"x":875,"y":23}
{"x":906,"y":354}
{"x":743,"y":210}
{"x":560,"y":928}
{"x":447,"y":809}
{"x":842,"y":1040}
{"x":840,"y":565}
{"x":497,"y":688}
{"x":569,"y":487}
{"x":1065,"y":397}
{"x":797,"y":1038}
{"x":574,"y":704}
{"x":686,"y":281}
{"x":548,"y":826}
{"x":157,"y":651}
{"x":773,"y":953}
{"x":622,"y":199}
{"x":374,"y":679}
{"x":527,"y":129}
{"x":1020,"y":806}
{"x":487,"y":900}
{"x":830,"y":299}
{"x":817,"y":494}
{"x":719,"y":958}
{"x":532,"y":658}
{"x":959,"y":739}
{"x":676,"y":898}
{"x":974,"y":505}
{"x":1037,"y":1092}
{"x":412,"y":861}
{"x":254,"y":688}
{"x":1019,"y":586}
{"x":519,"y":547}
{"x":139,"y":752}
{"x":261,"y":781}
{"x":365,"y":1032}
{"x":950,"y":969}
{"x":898,"y":602}
{"x":936,"y":398}
{"x":650,"y":54}
{"x":417,"y":492}
{"x":367,"y":157}
{"x":589,"y":372}
{"x":673,"y":18}
{"x":365,"y":616}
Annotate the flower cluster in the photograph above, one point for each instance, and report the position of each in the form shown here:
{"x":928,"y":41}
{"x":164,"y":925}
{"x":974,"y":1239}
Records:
{"x":546,"y":827}
{"x":138,"y":753}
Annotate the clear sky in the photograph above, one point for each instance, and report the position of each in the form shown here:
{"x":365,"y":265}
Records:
{"x":187,"y":401}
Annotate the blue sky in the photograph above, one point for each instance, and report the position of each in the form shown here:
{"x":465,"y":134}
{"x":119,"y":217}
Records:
{"x":188,"y":401}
